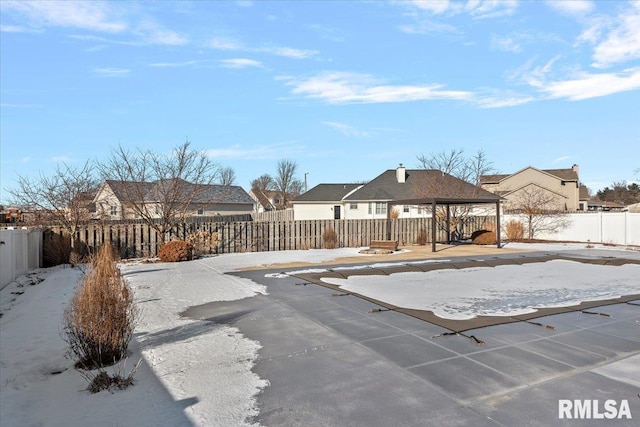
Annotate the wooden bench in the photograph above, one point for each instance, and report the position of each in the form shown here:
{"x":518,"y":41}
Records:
{"x":391,"y":245}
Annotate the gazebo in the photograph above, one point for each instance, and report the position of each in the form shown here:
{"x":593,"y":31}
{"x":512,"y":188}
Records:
{"x":487,"y":198}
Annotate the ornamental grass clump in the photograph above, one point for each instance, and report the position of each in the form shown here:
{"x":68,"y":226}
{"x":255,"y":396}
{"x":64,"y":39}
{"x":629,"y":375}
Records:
{"x":483,"y":237}
{"x":99,"y":322}
{"x":515,"y":230}
{"x":330,"y":238}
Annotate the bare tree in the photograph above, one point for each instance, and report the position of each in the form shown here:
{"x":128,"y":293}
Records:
{"x":455,"y":163}
{"x":63,"y":198}
{"x":227,"y":176}
{"x":542,"y":210}
{"x":263,"y":183}
{"x":286,"y":182}
{"x":458,"y":165}
{"x":161,"y":189}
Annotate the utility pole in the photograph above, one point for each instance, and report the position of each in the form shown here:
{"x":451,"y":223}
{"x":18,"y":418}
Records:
{"x":305,"y":181}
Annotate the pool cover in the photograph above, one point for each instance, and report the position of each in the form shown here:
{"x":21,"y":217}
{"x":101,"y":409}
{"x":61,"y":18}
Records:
{"x":459,"y":326}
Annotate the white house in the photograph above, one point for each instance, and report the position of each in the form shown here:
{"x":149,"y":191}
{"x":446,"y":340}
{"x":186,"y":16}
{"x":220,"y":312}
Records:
{"x":370,"y":200}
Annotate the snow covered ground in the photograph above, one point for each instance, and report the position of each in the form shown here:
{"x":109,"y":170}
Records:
{"x":193,"y":372}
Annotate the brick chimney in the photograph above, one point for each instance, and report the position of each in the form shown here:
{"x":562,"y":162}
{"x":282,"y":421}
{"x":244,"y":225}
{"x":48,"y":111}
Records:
{"x":576,"y":169}
{"x":401,"y":173}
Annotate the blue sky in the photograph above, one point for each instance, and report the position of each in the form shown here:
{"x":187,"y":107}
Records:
{"x":346,"y":89}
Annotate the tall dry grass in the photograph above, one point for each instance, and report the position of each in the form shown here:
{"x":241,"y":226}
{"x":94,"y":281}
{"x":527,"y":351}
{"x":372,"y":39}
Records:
{"x":330,"y":238}
{"x":99,"y":322}
{"x":515,"y":230}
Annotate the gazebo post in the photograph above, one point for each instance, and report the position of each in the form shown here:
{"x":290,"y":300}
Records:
{"x":389,"y":220}
{"x":433,"y":225}
{"x":448,"y":223}
{"x":498,"y":224}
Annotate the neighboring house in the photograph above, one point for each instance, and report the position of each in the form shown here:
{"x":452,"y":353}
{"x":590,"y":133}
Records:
{"x":324,"y":201}
{"x":583,"y":198}
{"x":370,"y":200}
{"x":596,"y":204}
{"x":11,"y":215}
{"x":270,"y":200}
{"x":634,"y":208}
{"x":563,"y":185}
{"x":115,"y":199}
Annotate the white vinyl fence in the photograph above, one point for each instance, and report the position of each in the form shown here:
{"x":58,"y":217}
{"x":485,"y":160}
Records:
{"x":619,"y":228}
{"x":20,"y":251}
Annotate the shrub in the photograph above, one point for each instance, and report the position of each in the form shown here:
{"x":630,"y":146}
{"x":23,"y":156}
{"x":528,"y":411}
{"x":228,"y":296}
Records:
{"x":483,"y":237}
{"x":515,"y":230}
{"x":203,"y":242}
{"x":175,"y":251}
{"x":99,"y":323}
{"x":394,"y":214}
{"x":422,"y":237}
{"x":329,"y":238}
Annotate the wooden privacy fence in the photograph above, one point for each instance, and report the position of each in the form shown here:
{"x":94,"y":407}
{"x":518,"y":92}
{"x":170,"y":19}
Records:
{"x":137,"y":239}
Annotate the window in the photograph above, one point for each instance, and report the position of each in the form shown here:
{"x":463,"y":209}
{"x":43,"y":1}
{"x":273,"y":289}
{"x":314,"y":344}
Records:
{"x":157,"y":209}
{"x":200,"y":211}
{"x":114,"y":210}
{"x":353,"y":206}
{"x":381,"y":208}
{"x":370,"y":208}
{"x":420,"y":210}
{"x":405,"y":209}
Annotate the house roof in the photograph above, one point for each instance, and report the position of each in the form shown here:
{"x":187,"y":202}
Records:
{"x":563,"y":174}
{"x":327,"y":193}
{"x":127,"y":191}
{"x":262,"y":198}
{"x":605,"y":203}
{"x":584,"y":192}
{"x":419,"y":184}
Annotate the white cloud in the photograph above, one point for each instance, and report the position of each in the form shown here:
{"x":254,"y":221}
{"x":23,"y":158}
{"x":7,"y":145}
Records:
{"x":478,"y":9}
{"x":586,"y":85}
{"x":287,"y":52}
{"x":501,"y":101}
{"x":432,"y":6}
{"x":153,"y":33}
{"x":342,"y":87}
{"x":104,"y":17}
{"x":425,"y":26}
{"x":225,"y":43}
{"x":111,"y":72}
{"x":240,"y":63}
{"x":572,"y":7}
{"x":482,"y":9}
{"x":623,"y":41}
{"x":14,"y":29}
{"x":507,"y":44}
{"x":346,"y":129}
{"x":173,"y":64}
{"x":533,"y":76}
{"x":88,"y":15}
{"x":561,"y":159}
